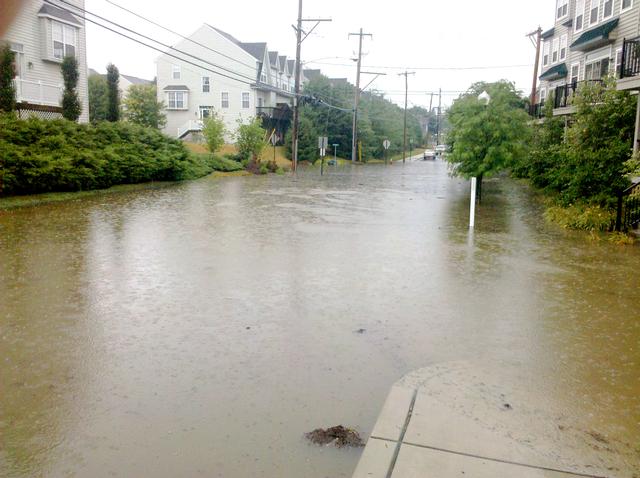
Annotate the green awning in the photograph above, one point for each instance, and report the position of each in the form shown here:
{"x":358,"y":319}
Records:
{"x":548,"y":33}
{"x":555,"y":73}
{"x":595,"y":37}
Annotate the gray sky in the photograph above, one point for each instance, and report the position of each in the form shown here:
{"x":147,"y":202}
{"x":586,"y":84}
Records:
{"x":407,"y":33}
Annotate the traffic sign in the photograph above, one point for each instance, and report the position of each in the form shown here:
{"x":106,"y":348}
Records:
{"x":323,"y":142}
{"x":386,"y":143}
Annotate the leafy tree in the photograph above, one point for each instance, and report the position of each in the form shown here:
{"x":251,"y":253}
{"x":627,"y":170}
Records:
{"x":113,"y":93}
{"x":250,"y":139}
{"x":141,"y":106}
{"x":97,"y":98}
{"x":7,"y":73}
{"x":487,"y":138}
{"x":214,"y":131}
{"x":71,"y":107}
{"x":307,"y":138}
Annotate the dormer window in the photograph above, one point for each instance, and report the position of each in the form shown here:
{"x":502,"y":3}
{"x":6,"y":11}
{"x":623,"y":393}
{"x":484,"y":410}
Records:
{"x":65,"y":40}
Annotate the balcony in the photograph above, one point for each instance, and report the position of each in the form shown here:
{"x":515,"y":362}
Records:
{"x":38,"y":92}
{"x":563,"y":97}
{"x":630,"y":66}
{"x":278,"y":113}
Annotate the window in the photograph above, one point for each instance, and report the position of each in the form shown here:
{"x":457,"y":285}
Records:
{"x":18,"y":61}
{"x":65,"y":40}
{"x":579,"y":22}
{"x":554,"y":52}
{"x":260,"y":102}
{"x":545,"y":55}
{"x":543,"y":95}
{"x":597,"y":70}
{"x":626,"y":5}
{"x":205,"y":112}
{"x":176,"y":72}
{"x":246,"y":100}
{"x":575,"y":73}
{"x":177,"y":100}
{"x":594,"y":12}
{"x":225,"y":100}
{"x":607,"y":9}
{"x":562,"y":8}
{"x":206,"y":84}
{"x":563,"y":47}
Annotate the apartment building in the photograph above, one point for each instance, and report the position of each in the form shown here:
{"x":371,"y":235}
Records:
{"x":41,"y":35}
{"x":585,"y":45}
{"x":212,"y":71}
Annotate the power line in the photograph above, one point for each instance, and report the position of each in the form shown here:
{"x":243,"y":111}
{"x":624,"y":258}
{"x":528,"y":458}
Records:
{"x":430,"y":68}
{"x":253,"y":80}
{"x":178,"y":34}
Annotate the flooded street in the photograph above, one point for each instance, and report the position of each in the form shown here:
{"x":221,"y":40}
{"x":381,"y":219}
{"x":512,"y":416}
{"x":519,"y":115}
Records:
{"x":202,"y":329}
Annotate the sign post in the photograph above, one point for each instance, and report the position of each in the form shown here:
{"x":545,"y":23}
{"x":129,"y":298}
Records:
{"x":386,"y":144}
{"x":274,"y":141}
{"x":472,"y":207}
{"x":323,"y":144}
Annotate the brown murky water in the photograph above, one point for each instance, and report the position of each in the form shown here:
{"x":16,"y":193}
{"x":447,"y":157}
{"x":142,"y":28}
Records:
{"x":201,"y":330}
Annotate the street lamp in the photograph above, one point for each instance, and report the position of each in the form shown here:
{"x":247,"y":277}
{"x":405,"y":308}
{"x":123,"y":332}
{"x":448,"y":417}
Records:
{"x":484,"y":97}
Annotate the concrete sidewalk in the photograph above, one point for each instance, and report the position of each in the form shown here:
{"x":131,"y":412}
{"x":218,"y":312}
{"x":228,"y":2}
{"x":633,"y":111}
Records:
{"x":452,"y":421}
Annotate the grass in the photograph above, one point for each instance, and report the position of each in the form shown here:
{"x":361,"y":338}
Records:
{"x":583,"y":217}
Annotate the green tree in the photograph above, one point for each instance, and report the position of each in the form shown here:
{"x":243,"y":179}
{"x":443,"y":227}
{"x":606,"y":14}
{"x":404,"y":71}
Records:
{"x":214,"y":131}
{"x":113,"y":93}
{"x":97,"y":98}
{"x":7,"y":73}
{"x":486,"y":138}
{"x":307,"y":138}
{"x":141,"y":106}
{"x":71,"y":107}
{"x":250,"y":139}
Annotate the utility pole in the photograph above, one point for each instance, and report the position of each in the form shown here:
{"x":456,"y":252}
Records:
{"x":536,"y":43}
{"x":438,"y":117}
{"x":429,"y":121}
{"x":356,"y":103}
{"x":406,"y":104}
{"x":296,"y":99}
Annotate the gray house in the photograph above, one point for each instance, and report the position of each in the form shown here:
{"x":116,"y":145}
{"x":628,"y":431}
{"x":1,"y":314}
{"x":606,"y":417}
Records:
{"x":41,"y":36}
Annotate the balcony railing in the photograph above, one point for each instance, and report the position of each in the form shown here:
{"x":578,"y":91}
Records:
{"x":628,"y":215}
{"x":274,"y":112}
{"x":190,"y":127}
{"x":38,"y":92}
{"x":564,"y":94}
{"x":630,"y":58}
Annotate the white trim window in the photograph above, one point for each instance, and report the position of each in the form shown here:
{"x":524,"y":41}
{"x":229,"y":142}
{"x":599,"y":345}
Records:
{"x":18,"y":60}
{"x":556,"y":50}
{"x":205,"y":112}
{"x":564,"y":39}
{"x":618,"y":64}
{"x":607,"y":9}
{"x":626,"y":5}
{"x":206,"y":84}
{"x":246,"y":100}
{"x":545,"y":53}
{"x":177,"y":100}
{"x":562,"y":9}
{"x":579,"y":20}
{"x":594,"y":12}
{"x":543,"y":95}
{"x":64,"y":40}
{"x":575,"y":73}
{"x":597,"y":70}
{"x":176,"y":72}
{"x":224,"y":100}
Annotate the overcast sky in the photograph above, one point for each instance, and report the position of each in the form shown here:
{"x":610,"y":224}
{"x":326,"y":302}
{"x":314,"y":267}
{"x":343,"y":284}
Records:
{"x":414,"y":34}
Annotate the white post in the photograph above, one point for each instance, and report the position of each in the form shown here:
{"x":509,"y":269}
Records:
{"x":472,"y":209}
{"x":41,"y":92}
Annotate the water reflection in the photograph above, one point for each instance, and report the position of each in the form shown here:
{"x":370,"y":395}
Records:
{"x":201,"y":330}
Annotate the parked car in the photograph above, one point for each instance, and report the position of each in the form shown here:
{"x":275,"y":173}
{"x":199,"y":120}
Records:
{"x":429,"y":155}
{"x":441,"y":149}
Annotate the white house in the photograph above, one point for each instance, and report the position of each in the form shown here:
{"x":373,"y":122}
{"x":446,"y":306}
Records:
{"x":213,"y":71}
{"x":41,"y":35}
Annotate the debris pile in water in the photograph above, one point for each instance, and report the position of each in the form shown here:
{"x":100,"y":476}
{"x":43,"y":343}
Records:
{"x":338,"y":436}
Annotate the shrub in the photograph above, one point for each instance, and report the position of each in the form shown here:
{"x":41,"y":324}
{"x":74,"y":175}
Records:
{"x":581,"y":216}
{"x":264,"y":169}
{"x":46,"y":156}
{"x":250,"y":139}
{"x":71,"y":107}
{"x":7,"y":88}
{"x":97,"y":98}
{"x":214,"y":131}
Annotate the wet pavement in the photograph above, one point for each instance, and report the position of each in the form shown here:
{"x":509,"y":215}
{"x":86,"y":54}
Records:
{"x":202,"y":329}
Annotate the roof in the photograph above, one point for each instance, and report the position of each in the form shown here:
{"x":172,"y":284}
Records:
{"x":256,"y":50}
{"x":51,"y":11}
{"x":283,"y":62}
{"x":228,"y":36}
{"x":555,"y":72}
{"x":292,"y":66}
{"x":137,"y":81}
{"x":176,"y":88}
{"x":595,"y":37}
{"x":311,"y":74}
{"x":548,"y":33}
{"x":273,"y":58}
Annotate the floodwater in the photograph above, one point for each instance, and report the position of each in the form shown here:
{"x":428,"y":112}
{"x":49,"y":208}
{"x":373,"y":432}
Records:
{"x":202,"y":329}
